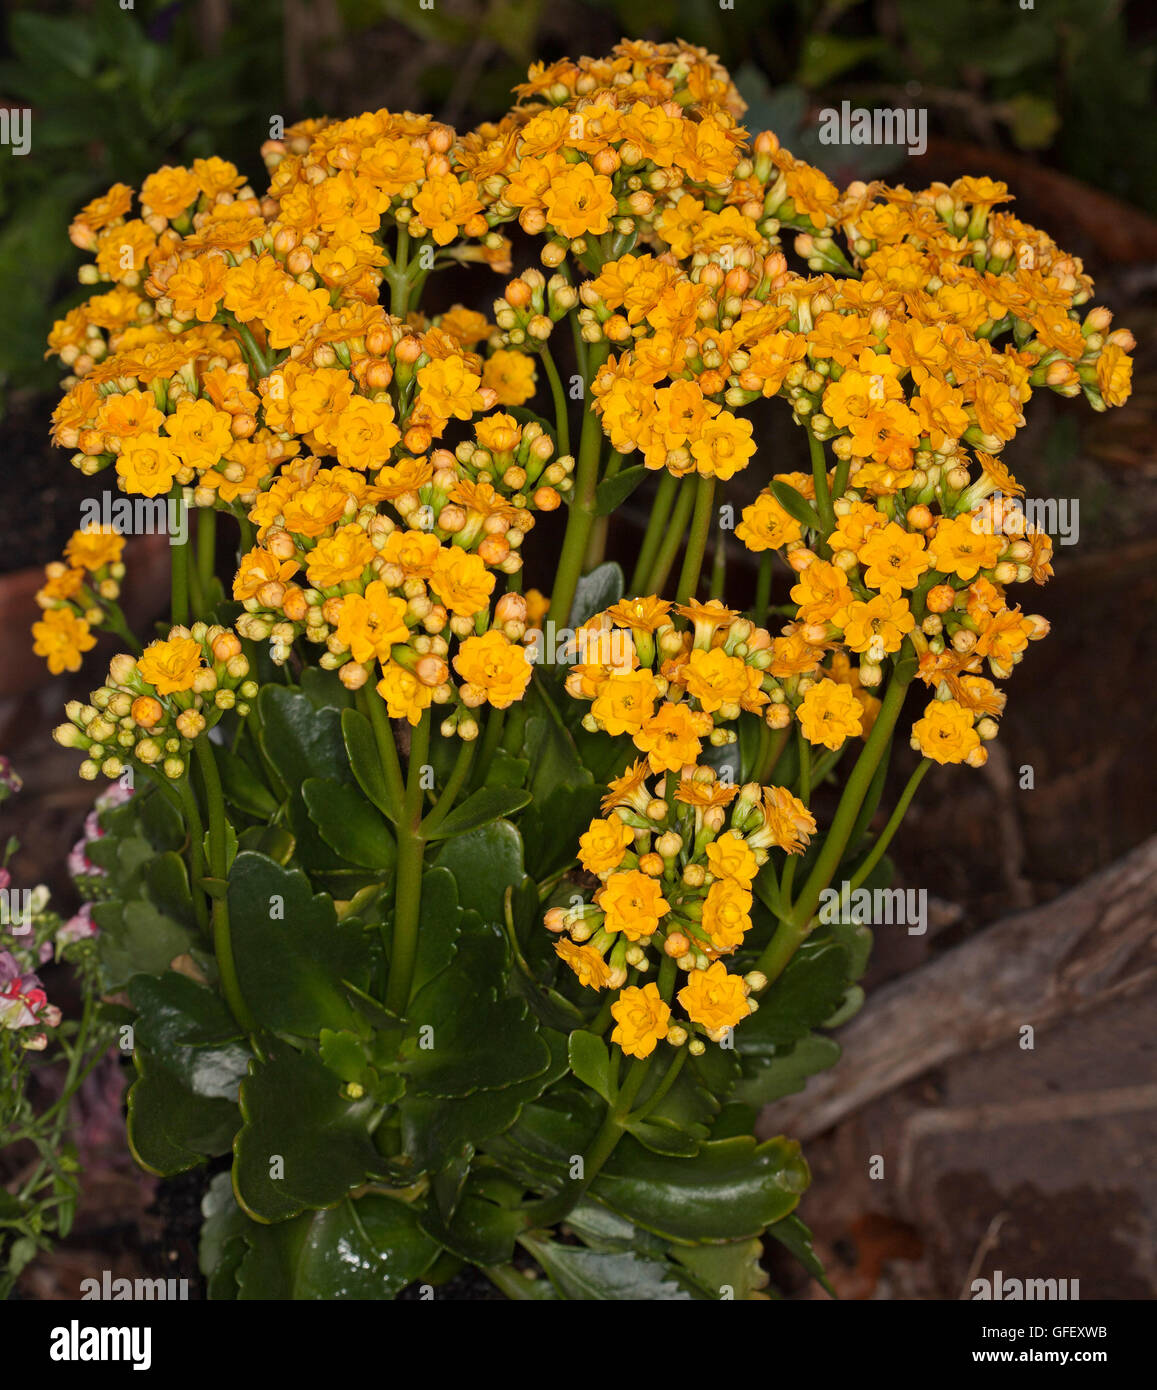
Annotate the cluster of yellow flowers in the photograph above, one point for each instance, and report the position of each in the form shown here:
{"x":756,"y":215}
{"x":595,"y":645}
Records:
{"x":76,"y":595}
{"x":152,"y":709}
{"x":914,"y":531}
{"x":675,"y":857}
{"x":400,"y":591}
{"x":672,"y":687}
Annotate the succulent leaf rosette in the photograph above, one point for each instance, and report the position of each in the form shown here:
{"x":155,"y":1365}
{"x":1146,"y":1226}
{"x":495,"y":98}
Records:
{"x":498,"y":944}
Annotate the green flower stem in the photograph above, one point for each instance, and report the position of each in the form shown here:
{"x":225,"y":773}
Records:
{"x":396,"y":277}
{"x":840,"y":482}
{"x":219,"y":866}
{"x":669,"y":546}
{"x":805,"y":768}
{"x":838,"y":835}
{"x":196,"y":828}
{"x":759,"y":757}
{"x":597,"y":543}
{"x":656,"y":528}
{"x":763,"y":587}
{"x":115,"y":621}
{"x":256,"y":357}
{"x":718,"y":570}
{"x":258,"y":364}
{"x":670,"y":1076}
{"x":775,"y":752}
{"x":206,"y":550}
{"x":786,"y":884}
{"x":581,"y":518}
{"x":408,"y":895}
{"x":820,"y":477}
{"x":445,"y":803}
{"x":784,"y":943}
{"x":373,"y":707}
{"x":885,"y":838}
{"x":561,"y":423}
{"x":548,"y":1211}
{"x":580,"y":343}
{"x":495,"y":723}
{"x":697,"y":540}
{"x":179,"y":573}
{"x":873,"y":798}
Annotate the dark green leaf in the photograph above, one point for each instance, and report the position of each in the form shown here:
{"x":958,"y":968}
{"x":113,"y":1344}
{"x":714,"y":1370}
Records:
{"x":191,"y":1032}
{"x":170,"y":1130}
{"x":349,"y":824}
{"x":770,"y":1076}
{"x":468,"y":1036}
{"x":806,"y":994}
{"x":362,"y":749}
{"x":590,"y":1061}
{"x":291,"y":953}
{"x":242,"y":786}
{"x":729,"y":1271}
{"x":795,"y":505}
{"x":485,"y":862}
{"x":613,"y":492}
{"x":732,"y":1189}
{"x":601,"y":588}
{"x":364,"y":1249}
{"x":485,"y":805}
{"x":794,"y":1236}
{"x":302,"y":1144}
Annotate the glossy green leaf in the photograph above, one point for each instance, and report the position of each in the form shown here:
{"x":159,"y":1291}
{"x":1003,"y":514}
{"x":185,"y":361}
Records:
{"x":613,"y":492}
{"x":465,"y":1034}
{"x":171,"y":1130}
{"x":807,"y":993}
{"x":732,"y":1189}
{"x":242,"y":786}
{"x":439,"y":925}
{"x":167,"y":884}
{"x":222,"y":1242}
{"x":137,"y":939}
{"x":795,"y":1237}
{"x":547,"y":745}
{"x":302,"y":1144}
{"x":291,"y":953}
{"x":299,"y":739}
{"x":590,"y":1060}
{"x":486,"y":805}
{"x":480,"y":1231}
{"x":769,"y":1077}
{"x":435,"y":1128}
{"x":795,"y":504}
{"x":552,"y":825}
{"x":365,"y":763}
{"x":349,"y":824}
{"x":601,"y":588}
{"x":484,"y":862}
{"x":191,"y":1032}
{"x":364,"y":1249}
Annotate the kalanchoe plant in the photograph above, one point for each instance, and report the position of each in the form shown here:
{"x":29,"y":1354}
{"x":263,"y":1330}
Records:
{"x":466,"y":954}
